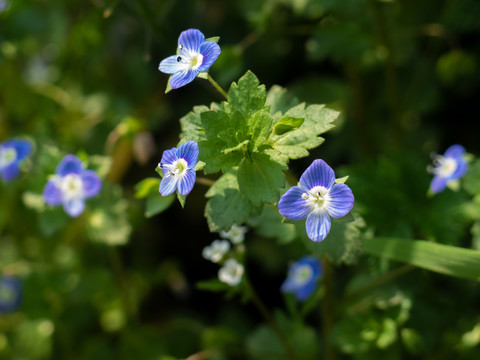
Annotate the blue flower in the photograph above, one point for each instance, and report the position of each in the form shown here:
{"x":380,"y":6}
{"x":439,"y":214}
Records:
{"x":12,"y":153}
{"x":302,"y":277}
{"x":10,"y":294}
{"x":71,"y":185}
{"x":194,"y":55}
{"x":178,"y":168}
{"x":448,"y":167}
{"x":317,"y":198}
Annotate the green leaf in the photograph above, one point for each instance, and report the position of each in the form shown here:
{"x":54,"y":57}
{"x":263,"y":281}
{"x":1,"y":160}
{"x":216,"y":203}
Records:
{"x":226,"y":140}
{"x":191,"y":124}
{"x":157,"y":203}
{"x":259,"y":127}
{"x":471,"y":180}
{"x":296,"y":143}
{"x":261,"y":178}
{"x":280,"y":100}
{"x":286,"y":124}
{"x":247,"y":97}
{"x":146,"y":187}
{"x":444,"y":259}
{"x":227,"y":205}
{"x":269,"y":224}
{"x":215,"y":39}
{"x":213,"y":285}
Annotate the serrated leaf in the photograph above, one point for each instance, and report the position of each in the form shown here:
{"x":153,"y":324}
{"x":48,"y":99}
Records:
{"x":260,"y":178}
{"x":296,"y":143}
{"x":279,"y":100}
{"x":146,"y":187}
{"x":342,"y":244}
{"x":227,"y":206}
{"x":191,"y":124}
{"x":226,"y":140}
{"x":444,"y":259}
{"x":247,"y":96}
{"x":259,"y":127}
{"x":286,"y":124}
{"x":157,"y":203}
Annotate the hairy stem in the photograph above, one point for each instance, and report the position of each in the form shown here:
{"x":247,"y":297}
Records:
{"x":218,"y":87}
{"x":270,"y":319}
{"x":328,"y":308}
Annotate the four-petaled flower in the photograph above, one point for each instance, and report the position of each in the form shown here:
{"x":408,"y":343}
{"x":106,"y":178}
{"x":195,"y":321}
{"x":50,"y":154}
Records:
{"x":10,"y":293}
{"x":236,"y":234}
{"x":194,"y":55}
{"x":216,"y":250}
{"x":231,"y":272}
{"x":178,"y":168}
{"x":12,"y":153}
{"x":448,"y":167}
{"x":302,"y":277}
{"x":71,"y":185}
{"x":317,"y":198}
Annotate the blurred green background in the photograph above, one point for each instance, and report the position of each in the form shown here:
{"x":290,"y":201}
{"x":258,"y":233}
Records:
{"x":81,"y":77}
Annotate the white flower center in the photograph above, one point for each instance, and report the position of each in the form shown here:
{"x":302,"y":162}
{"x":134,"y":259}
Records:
{"x":71,"y":186}
{"x":7,"y":156}
{"x":302,"y":275}
{"x":192,"y":60}
{"x":7,"y":294}
{"x":231,"y":272}
{"x":317,"y":198}
{"x":216,"y":250}
{"x":444,"y":166}
{"x":178,"y":168}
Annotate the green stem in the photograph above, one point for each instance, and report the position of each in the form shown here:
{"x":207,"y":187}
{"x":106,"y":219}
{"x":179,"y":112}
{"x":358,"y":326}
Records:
{"x":218,"y":87}
{"x":328,"y":308}
{"x":270,"y":319}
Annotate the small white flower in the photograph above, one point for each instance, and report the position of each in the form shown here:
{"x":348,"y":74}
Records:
{"x":231,"y":272}
{"x":216,"y":250}
{"x":236,"y":234}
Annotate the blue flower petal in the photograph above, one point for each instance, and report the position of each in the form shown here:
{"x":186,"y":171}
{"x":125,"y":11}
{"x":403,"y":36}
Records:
{"x":69,"y":164}
{"x":317,"y":174}
{"x":305,"y":291}
{"x":340,"y":200}
{"x":52,"y":194}
{"x":182,"y":78}
{"x":169,"y":156}
{"x":462,"y":167}
{"x":318,"y":225}
{"x":168,"y":185}
{"x":455,"y":151}
{"x":210,"y":51}
{"x":23,"y":148}
{"x":74,"y":207}
{"x":185,"y":185}
{"x":91,"y":183}
{"x":439,"y":183}
{"x":189,"y":152}
{"x":10,"y":172}
{"x":292,"y":205}
{"x":171,"y":65}
{"x":191,"y":39}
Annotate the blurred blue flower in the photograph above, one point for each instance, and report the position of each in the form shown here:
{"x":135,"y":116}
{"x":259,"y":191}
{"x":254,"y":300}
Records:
{"x":12,"y":153}
{"x":194,"y":55}
{"x":10,"y":293}
{"x":317,"y":198}
{"x":71,"y":185}
{"x":448,"y":167}
{"x":178,"y":168}
{"x":302,"y":277}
